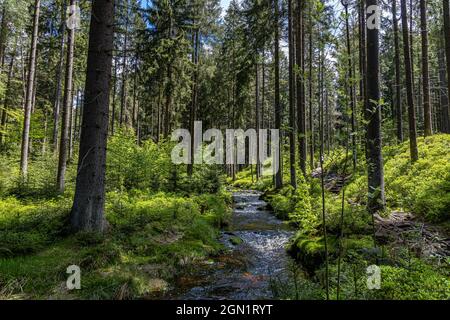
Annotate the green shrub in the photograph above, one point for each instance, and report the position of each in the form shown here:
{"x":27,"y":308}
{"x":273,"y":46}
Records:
{"x":422,"y":187}
{"x":28,"y":227}
{"x":419,"y":281}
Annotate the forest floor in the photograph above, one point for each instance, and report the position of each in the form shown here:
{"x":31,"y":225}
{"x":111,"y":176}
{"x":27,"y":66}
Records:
{"x":399,"y":228}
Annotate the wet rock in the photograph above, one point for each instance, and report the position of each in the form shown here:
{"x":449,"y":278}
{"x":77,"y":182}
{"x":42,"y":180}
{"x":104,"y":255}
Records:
{"x":236,"y":240}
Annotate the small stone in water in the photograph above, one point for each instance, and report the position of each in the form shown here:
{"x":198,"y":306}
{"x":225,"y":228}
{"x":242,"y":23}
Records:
{"x":236,"y":241}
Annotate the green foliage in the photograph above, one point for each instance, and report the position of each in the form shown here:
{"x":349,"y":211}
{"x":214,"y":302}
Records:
{"x":419,"y":281}
{"x":295,"y":206}
{"x":131,"y":166}
{"x":149,"y":167}
{"x":28,"y":227}
{"x":246,"y":179}
{"x":422,"y":187}
{"x":145,"y":231}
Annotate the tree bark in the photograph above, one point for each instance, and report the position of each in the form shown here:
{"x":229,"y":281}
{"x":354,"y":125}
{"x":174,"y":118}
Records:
{"x":409,"y":85}
{"x":59,"y":77}
{"x":193,"y":111}
{"x":363,"y":61}
{"x":114,"y":95}
{"x":123,"y":96}
{"x":279,"y":173}
{"x":29,"y":93}
{"x":301,"y":102}
{"x":398,"y":98}
{"x":3,"y":34}
{"x":292,"y":125}
{"x":66,"y":112}
{"x":443,"y":94}
{"x":425,"y":69}
{"x":446,"y":8}
{"x":6,"y":100}
{"x":351,"y":87}
{"x":376,"y":198}
{"x":258,"y":117}
{"x":88,"y":207}
{"x":310,"y":87}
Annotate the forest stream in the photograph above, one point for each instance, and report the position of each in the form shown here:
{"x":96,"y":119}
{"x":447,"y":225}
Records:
{"x":255,"y":263}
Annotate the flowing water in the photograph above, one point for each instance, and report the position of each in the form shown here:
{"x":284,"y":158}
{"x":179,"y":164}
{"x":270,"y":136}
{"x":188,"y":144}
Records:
{"x":256,"y":258}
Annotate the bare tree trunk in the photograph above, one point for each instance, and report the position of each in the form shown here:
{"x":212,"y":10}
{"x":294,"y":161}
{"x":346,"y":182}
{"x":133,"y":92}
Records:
{"x":59,"y":77}
{"x":77,"y":113}
{"x":114,"y":94}
{"x":6,"y":100}
{"x":409,"y":85}
{"x":376,"y":199}
{"x":425,"y":69}
{"x":29,"y":93}
{"x":351,"y":87}
{"x":168,"y":102}
{"x":158,"y":114}
{"x":3,"y":35}
{"x":67,"y":109}
{"x":258,"y":117}
{"x":279,"y":173}
{"x":300,"y":81}
{"x":89,"y":201}
{"x":71,"y":127}
{"x":123,"y":100}
{"x":444,"y":98}
{"x":292,"y":128}
{"x":363,"y":60}
{"x":310,"y":86}
{"x":133,"y":118}
{"x":398,"y":98}
{"x":411,"y":45}
{"x":193,"y":111}
{"x":322,"y":171}
{"x":446,"y":8}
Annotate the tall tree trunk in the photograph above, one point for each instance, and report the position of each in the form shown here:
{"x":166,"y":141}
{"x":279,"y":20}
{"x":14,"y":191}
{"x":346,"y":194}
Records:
{"x":3,"y":34}
{"x":89,"y":201}
{"x":135,"y":76}
{"x":193,"y":111}
{"x":376,"y":199}
{"x":263,"y":91}
{"x":363,"y":60}
{"x":6,"y":100}
{"x":44,"y":141}
{"x":409,"y":85}
{"x":425,"y":69}
{"x":123,"y":96}
{"x":443,"y":93}
{"x":446,"y":8}
{"x":321,"y":160}
{"x":398,"y":98}
{"x":168,"y":101}
{"x":292,"y":127}
{"x":114,"y":95}
{"x":278,"y":160}
{"x":77,"y":113}
{"x":351,"y":87}
{"x":310,"y":87}
{"x":411,"y":44}
{"x":72,"y":115}
{"x":300,"y":81}
{"x":258,"y":117}
{"x":67,"y":108}
{"x":29,"y":93}
{"x":59,"y":77}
